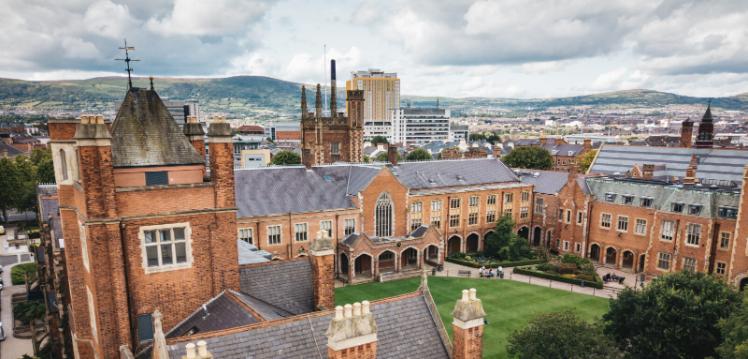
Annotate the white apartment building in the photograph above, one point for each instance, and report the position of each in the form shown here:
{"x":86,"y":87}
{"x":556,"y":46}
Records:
{"x":381,"y":99}
{"x":419,"y":126}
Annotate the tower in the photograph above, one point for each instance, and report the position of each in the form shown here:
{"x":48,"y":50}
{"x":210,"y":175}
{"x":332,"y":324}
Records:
{"x":705,"y":136}
{"x":686,"y":133}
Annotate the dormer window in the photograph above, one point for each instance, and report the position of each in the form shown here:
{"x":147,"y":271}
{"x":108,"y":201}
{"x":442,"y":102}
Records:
{"x":677,"y":207}
{"x":610,"y":197}
{"x":645,"y":202}
{"x":694,"y":209}
{"x":628,"y":199}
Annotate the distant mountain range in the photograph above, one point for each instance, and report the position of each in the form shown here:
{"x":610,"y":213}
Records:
{"x":268,"y":98}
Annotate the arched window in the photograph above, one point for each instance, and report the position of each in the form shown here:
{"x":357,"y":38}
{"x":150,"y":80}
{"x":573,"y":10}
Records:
{"x":383,"y":216}
{"x":63,"y":165}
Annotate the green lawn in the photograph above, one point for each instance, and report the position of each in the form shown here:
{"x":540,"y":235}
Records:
{"x":509,"y":305}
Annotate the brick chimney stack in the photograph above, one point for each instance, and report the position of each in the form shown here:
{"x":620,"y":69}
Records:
{"x":559,"y":141}
{"x":352,"y":333}
{"x":392,"y":154}
{"x":322,"y":256}
{"x":647,"y":171}
{"x":686,"y":133}
{"x":195,"y":133}
{"x":221,"y":162}
{"x":587,"y":144}
{"x":95,"y":164}
{"x":467,"y":326}
{"x":690,"y":177}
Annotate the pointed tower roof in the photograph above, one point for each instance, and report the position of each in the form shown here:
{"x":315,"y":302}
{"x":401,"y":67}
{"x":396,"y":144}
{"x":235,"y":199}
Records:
{"x":145,"y":134}
{"x":708,"y":114}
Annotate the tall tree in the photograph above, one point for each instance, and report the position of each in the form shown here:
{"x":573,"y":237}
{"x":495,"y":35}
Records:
{"x":26,"y":182}
{"x":586,"y":161}
{"x":529,"y":157}
{"x":7,"y":187}
{"x":42,"y":160}
{"x":379,"y":139}
{"x":419,"y":154}
{"x":504,"y":244}
{"x":734,"y":331}
{"x":675,"y":316}
{"x":560,"y":336}
{"x":286,"y":158}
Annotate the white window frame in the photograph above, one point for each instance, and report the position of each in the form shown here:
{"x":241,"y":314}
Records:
{"x":525,"y":196}
{"x":724,"y":237}
{"x":610,"y":220}
{"x":640,"y":223}
{"x":347,"y":227}
{"x":490,"y":216}
{"x":473,"y":201}
{"x":436,"y":206}
{"x":693,"y":237}
{"x":722,"y":270}
{"x":326,"y":224}
{"x":416,"y":207}
{"x":625,"y":222}
{"x":667,"y":230}
{"x":157,"y":229}
{"x":566,"y":246}
{"x":297,"y":232}
{"x":508,"y":198}
{"x":473,"y":219}
{"x":524,"y":212}
{"x":689,"y":262}
{"x":454,"y":203}
{"x":667,"y":257}
{"x":491,"y":200}
{"x":580,"y":217}
{"x":456,"y":216}
{"x":279,"y":234}
{"x":249,"y":230}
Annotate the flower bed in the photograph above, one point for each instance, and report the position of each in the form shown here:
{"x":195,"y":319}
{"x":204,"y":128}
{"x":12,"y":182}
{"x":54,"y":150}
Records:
{"x":477,"y":261}
{"x":568,"y":269}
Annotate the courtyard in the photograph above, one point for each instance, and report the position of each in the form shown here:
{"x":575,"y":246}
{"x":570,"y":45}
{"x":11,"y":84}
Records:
{"x":509,"y":305}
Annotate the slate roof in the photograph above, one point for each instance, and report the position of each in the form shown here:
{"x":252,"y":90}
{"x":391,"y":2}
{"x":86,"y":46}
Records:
{"x":548,"y":182}
{"x":222,"y":312}
{"x":405,"y":329}
{"x":714,"y":163}
{"x":284,"y":284}
{"x":452,"y":173}
{"x":10,"y":150}
{"x":145,"y":134}
{"x":249,"y":254}
{"x":50,"y":208}
{"x":564,"y":149}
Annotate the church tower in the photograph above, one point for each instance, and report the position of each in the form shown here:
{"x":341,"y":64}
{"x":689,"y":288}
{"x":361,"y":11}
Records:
{"x":705,"y":136}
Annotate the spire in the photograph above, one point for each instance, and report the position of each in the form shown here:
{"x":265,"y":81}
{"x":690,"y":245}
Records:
{"x":151,"y":79}
{"x":318,"y":103}
{"x":708,"y":114}
{"x":333,"y":89}
{"x":304,"y":110}
{"x":705,"y":136}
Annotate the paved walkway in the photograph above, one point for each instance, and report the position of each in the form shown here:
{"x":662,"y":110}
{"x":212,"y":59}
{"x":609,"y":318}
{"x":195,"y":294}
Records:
{"x":11,"y":348}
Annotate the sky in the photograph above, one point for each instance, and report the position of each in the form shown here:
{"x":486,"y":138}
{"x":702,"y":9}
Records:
{"x":457,"y":48}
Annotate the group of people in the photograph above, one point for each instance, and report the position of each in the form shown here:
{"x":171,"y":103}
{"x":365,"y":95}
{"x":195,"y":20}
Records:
{"x":613,"y":278}
{"x":489,"y":273}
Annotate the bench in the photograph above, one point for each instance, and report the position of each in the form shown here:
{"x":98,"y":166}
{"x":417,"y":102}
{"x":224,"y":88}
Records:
{"x":464,"y":273}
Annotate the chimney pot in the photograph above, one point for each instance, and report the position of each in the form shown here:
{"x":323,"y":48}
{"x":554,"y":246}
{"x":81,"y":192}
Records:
{"x":202,"y":349}
{"x":357,"y":309}
{"x":473,"y":295}
{"x":339,"y":312}
{"x":190,"y":351}
{"x":348,"y":311}
{"x":365,"y":307}
{"x":465,"y":295}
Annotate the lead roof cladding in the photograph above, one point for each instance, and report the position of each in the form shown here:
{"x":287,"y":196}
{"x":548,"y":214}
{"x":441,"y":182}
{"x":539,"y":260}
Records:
{"x":144,"y":134}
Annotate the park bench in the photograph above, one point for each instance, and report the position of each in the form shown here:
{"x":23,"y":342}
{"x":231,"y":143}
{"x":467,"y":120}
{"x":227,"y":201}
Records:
{"x":464,"y":273}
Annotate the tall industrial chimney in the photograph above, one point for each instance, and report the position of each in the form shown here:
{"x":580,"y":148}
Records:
{"x":333,"y":89}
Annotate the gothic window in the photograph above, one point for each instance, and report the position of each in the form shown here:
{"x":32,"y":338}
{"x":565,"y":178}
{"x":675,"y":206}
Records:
{"x":63,"y":165}
{"x":383,"y":216}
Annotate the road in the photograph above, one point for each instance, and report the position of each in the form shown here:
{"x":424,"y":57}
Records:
{"x":11,"y":348}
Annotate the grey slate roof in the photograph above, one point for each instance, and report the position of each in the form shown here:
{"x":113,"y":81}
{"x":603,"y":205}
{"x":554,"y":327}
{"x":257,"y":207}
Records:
{"x":222,"y":312}
{"x":50,"y":208}
{"x":548,"y":182}
{"x":145,"y":134}
{"x":452,"y":173}
{"x":714,"y":164}
{"x":248,"y":254}
{"x":564,"y":149}
{"x":405,"y":329}
{"x":284,"y":284}
{"x":10,"y":150}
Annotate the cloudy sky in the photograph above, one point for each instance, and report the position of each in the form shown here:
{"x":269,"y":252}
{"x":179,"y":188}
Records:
{"x":502,"y":48}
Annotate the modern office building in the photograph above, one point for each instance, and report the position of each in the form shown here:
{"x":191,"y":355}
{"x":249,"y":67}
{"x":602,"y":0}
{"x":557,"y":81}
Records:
{"x":179,"y":110}
{"x":419,"y":126}
{"x":381,"y":99}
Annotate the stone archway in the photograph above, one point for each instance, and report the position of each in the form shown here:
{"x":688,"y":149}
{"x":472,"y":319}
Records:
{"x":537,"y":236}
{"x":343,"y":265}
{"x":431,"y":254}
{"x":409,"y":259}
{"x":363,"y":265}
{"x":472,"y":243}
{"x":743,"y":284}
{"x":453,"y":245}
{"x":610,"y":256}
{"x":595,"y":252}
{"x":386,"y":262}
{"x":524,"y":232}
{"x":627,"y":261}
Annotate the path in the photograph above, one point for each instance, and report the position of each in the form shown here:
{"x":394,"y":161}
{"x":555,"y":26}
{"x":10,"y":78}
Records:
{"x":11,"y":348}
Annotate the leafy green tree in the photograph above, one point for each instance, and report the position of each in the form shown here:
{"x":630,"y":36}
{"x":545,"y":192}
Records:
{"x":29,"y":310}
{"x":382,"y":157}
{"x":586,"y":160}
{"x":7,"y":187}
{"x":504,"y":244}
{"x":379,"y":139}
{"x":675,"y":316}
{"x":419,"y":154}
{"x":476,"y":137}
{"x":559,"y":336}
{"x":42,"y":160}
{"x":25,"y":187}
{"x":734,"y":331}
{"x":529,"y":157}
{"x":286,"y":158}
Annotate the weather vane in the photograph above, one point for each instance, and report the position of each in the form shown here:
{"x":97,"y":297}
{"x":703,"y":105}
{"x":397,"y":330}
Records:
{"x":127,"y":61}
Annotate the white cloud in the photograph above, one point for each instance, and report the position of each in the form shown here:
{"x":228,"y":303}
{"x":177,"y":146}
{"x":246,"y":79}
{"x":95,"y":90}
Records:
{"x":105,"y":18}
{"x":208,"y":18}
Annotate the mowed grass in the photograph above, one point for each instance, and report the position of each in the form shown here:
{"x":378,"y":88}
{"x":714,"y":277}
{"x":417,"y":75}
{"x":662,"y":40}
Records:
{"x":509,"y":305}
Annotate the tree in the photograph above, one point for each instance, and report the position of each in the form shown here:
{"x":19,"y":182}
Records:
{"x":286,"y":158}
{"x":379,"y":139}
{"x":734,"y":331}
{"x":42,"y":160}
{"x":675,"y":316}
{"x":529,"y":157}
{"x":561,"y":335}
{"x":474,"y":137}
{"x":7,"y":187}
{"x":419,"y":154}
{"x":504,"y":244}
{"x":26,"y":181}
{"x":586,"y":160}
{"x":382,"y":157}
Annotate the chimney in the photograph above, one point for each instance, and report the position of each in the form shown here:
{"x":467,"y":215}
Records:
{"x":221,"y":162}
{"x":195,"y":133}
{"x":496,"y":151}
{"x":199,"y":351}
{"x":648,"y":171}
{"x":318,"y":103}
{"x":587,"y":144}
{"x":304,"y":110}
{"x":352,"y":333}
{"x":559,"y":141}
{"x":686,"y":133}
{"x":95,"y":164}
{"x":159,"y":350}
{"x":322,"y":256}
{"x":467,"y":326}
{"x":392,"y":154}
{"x":690,"y":177}
{"x":543,"y":140}
{"x":333,"y":89}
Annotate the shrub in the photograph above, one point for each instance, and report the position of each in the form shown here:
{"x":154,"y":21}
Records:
{"x":17,"y":276}
{"x":532,"y":271}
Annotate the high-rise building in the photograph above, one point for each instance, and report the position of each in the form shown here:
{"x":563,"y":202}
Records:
{"x":419,"y":126}
{"x":179,"y":110}
{"x":381,"y":99}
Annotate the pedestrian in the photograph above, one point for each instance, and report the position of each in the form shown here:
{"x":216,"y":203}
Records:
{"x":500,"y":272}
{"x":481,"y":270}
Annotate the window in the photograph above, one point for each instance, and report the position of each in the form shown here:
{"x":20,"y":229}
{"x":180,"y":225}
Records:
{"x":727,"y":212}
{"x":63,"y":165}
{"x":721,"y":266}
{"x":84,"y":245}
{"x":473,"y":201}
{"x":524,"y":212}
{"x":166,"y":246}
{"x":605,"y":220}
{"x":677,"y":207}
{"x":454,"y":203}
{"x":454,"y":220}
{"x":416,"y":207}
{"x":641,"y":226}
{"x":580,"y":216}
{"x":383,"y":216}
{"x":525,"y":196}
{"x":156,"y":178}
{"x":326,"y":226}
{"x":491,"y":200}
{"x":349,"y":225}
{"x":490,"y":216}
{"x":668,"y":230}
{"x":663,"y":261}
{"x":274,"y":235}
{"x":539,"y":204}
{"x":694,"y":209}
{"x":568,"y":216}
{"x":610,"y":197}
{"x":645,"y":202}
{"x":560,"y":214}
{"x":245,"y":234}
{"x":436,"y":206}
{"x":508,"y":212}
{"x":145,"y":327}
{"x":473,"y":219}
{"x":628,"y":199}
{"x":724,"y":240}
{"x":566,"y":245}
{"x":415,"y":223}
{"x":578,"y":247}
{"x":335,"y":148}
{"x":693,"y":234}
{"x":623,"y":224}
{"x":508,"y":197}
{"x":689,"y":264}
{"x":300,"y":230}
{"x":436,"y":221}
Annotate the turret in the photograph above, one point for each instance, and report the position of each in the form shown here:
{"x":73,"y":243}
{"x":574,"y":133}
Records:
{"x":318,"y":103}
{"x":686,"y":133}
{"x":304,"y":110}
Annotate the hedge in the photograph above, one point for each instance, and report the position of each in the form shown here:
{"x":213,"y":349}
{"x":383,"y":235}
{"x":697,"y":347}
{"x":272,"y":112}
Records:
{"x":473,"y":264}
{"x":17,"y":273}
{"x":531,"y":272}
